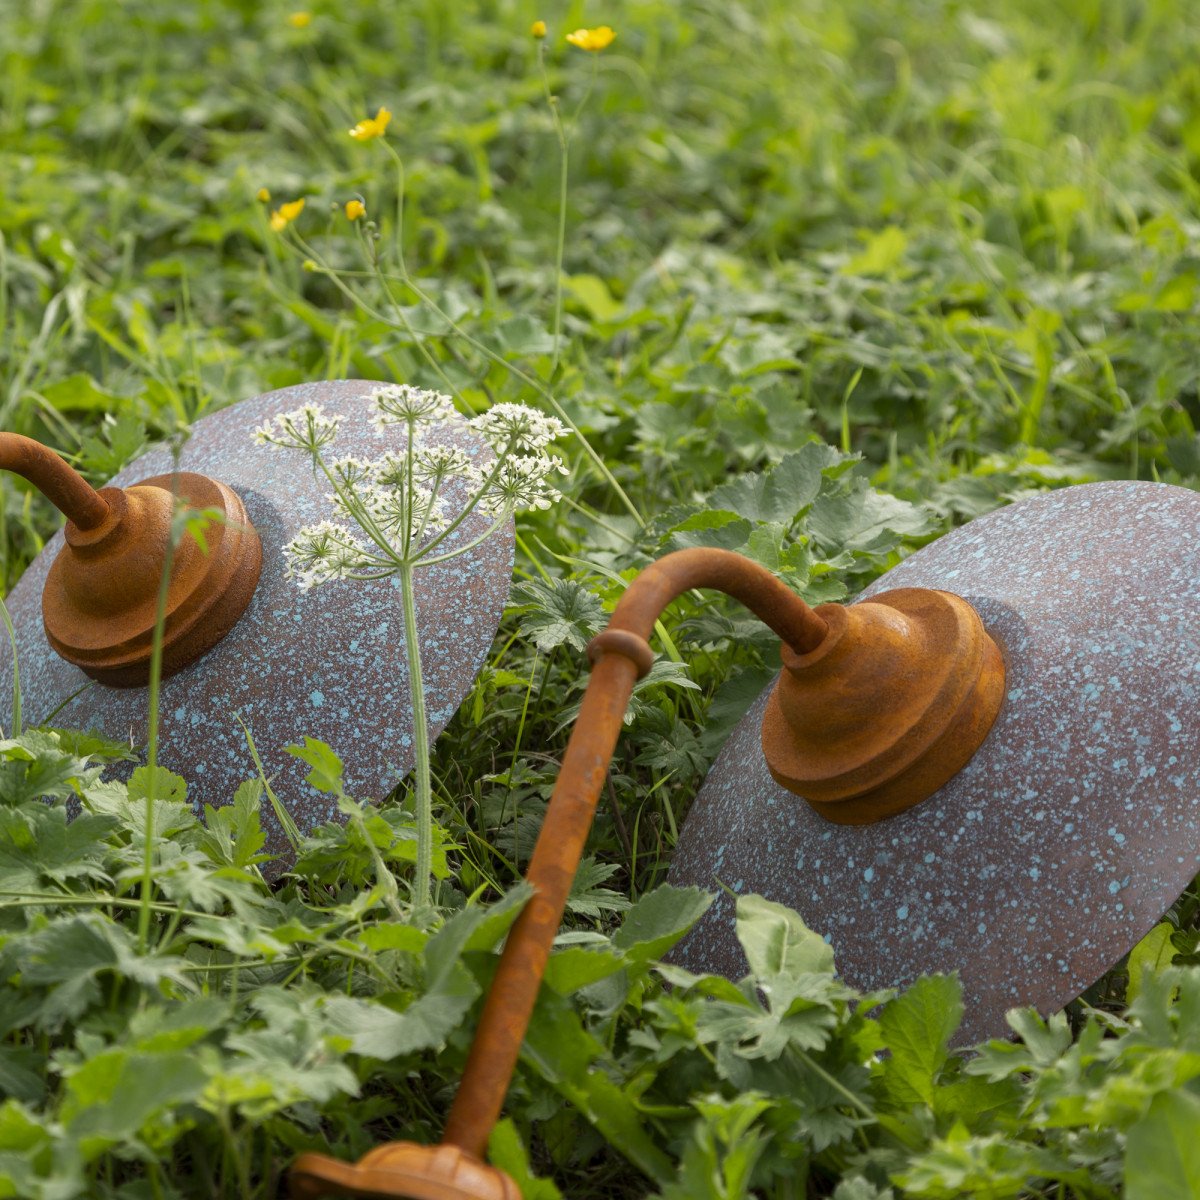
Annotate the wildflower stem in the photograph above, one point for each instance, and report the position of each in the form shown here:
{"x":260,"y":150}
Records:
{"x":476,"y":495}
{"x":156,"y":653}
{"x":421,"y":778}
{"x":483,"y":537}
{"x":564,"y":145}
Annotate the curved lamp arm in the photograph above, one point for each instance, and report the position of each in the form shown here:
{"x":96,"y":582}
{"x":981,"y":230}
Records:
{"x":620,"y":656}
{"x":59,"y":482}
{"x":906,"y":661}
{"x":100,"y":601}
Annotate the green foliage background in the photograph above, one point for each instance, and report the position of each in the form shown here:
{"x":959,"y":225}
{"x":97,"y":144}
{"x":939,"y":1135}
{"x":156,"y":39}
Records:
{"x":837,"y":276}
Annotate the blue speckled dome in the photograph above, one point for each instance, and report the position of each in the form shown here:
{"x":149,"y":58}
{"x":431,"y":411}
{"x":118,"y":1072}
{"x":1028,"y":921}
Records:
{"x":329,"y":663}
{"x":1076,"y":824}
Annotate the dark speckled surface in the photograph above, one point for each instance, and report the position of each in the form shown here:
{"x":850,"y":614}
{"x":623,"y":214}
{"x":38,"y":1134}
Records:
{"x":1076,"y":825}
{"x":329,"y":663}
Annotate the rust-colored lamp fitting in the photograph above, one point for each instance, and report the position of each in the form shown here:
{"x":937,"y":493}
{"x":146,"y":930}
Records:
{"x":929,"y":680}
{"x":101,"y":595}
{"x":891,"y":705}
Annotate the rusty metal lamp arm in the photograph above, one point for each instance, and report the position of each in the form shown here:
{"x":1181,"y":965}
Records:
{"x":920,"y":665}
{"x":99,"y":604}
{"x":60,"y":483}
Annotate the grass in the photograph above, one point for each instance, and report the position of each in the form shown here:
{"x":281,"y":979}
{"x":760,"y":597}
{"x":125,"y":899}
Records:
{"x":959,"y":243}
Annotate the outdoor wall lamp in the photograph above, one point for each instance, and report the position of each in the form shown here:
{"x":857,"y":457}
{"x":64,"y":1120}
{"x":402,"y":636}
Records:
{"x":1055,"y":846}
{"x":243,"y":645}
{"x":990,"y":768}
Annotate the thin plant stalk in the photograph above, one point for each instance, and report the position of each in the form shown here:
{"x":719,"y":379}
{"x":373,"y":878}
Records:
{"x":156,"y":652}
{"x":12,"y":640}
{"x":421,"y":775}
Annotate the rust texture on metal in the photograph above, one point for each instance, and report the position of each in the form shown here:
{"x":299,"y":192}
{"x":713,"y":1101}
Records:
{"x":101,"y":596}
{"x":60,"y":483}
{"x":888,"y":707}
{"x":100,"y":600}
{"x":620,"y":655}
{"x":402,"y":1169}
{"x":1071,"y":830}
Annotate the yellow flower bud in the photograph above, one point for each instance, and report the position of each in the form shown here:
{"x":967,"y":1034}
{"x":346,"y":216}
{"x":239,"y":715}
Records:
{"x":300,"y":20}
{"x":355,"y":209}
{"x":538,"y":30}
{"x":263,"y":196}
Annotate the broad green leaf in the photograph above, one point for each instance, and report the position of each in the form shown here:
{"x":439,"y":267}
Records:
{"x":1162,"y":1153}
{"x":857,"y":517}
{"x":778,"y":943}
{"x":658,"y":920}
{"x":592,"y":292}
{"x":326,"y":773}
{"x":559,"y":612}
{"x":917,"y":1026}
{"x":711,"y":527}
{"x":507,"y":1151}
{"x":780,"y":493}
{"x":1152,"y":953}
{"x":575,"y":967}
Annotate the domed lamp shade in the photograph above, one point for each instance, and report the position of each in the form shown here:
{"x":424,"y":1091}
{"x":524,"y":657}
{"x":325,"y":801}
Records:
{"x":988,"y":764}
{"x":244,"y":647}
{"x":1072,"y":829}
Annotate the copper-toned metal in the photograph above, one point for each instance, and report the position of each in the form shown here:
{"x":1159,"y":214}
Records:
{"x":402,"y":1169}
{"x":619,"y":656}
{"x":888,"y":707}
{"x":101,"y":595}
{"x":63,"y":486}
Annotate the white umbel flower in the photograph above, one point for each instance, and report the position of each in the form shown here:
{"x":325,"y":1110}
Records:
{"x":522,"y":482}
{"x":400,"y":404}
{"x":323,"y":552}
{"x":307,"y":428}
{"x":516,"y":428}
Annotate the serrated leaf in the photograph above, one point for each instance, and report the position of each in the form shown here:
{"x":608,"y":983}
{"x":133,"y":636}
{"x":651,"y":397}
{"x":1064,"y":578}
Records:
{"x":327,"y":769}
{"x":559,"y":612}
{"x":917,"y":1026}
{"x":658,"y":920}
{"x":857,"y":517}
{"x":710,"y":528}
{"x":780,"y":493}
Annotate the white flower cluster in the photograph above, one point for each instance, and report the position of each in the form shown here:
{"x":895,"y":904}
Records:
{"x":307,"y":428}
{"x":513,"y":428}
{"x":400,"y":404}
{"x":398,"y":500}
{"x":322,"y":552}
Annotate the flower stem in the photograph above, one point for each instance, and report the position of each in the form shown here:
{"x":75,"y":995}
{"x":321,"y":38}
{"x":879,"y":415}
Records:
{"x":424,"y":789}
{"x":156,"y":653}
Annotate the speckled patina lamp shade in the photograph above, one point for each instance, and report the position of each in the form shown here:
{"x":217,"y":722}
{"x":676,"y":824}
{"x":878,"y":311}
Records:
{"x":328,"y":663}
{"x":1076,"y":824}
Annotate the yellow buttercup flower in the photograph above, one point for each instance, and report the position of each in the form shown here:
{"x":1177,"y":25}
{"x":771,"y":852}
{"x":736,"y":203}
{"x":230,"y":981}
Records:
{"x":371,"y":127}
{"x":300,"y":20}
{"x":355,"y":209}
{"x":592,"y":39}
{"x":538,"y":29}
{"x":285,"y":214}
{"x":263,"y":196}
